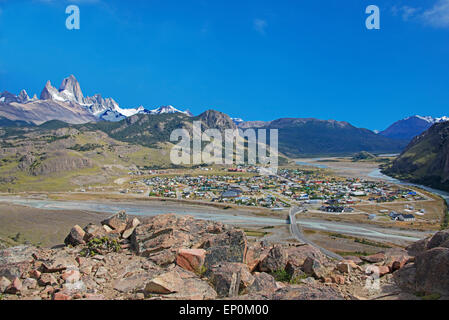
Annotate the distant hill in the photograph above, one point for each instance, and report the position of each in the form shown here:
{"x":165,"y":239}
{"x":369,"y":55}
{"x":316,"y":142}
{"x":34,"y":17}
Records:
{"x":426,"y":159}
{"x":4,"y":122}
{"x":309,"y":136}
{"x":363,"y":155}
{"x":408,"y":128}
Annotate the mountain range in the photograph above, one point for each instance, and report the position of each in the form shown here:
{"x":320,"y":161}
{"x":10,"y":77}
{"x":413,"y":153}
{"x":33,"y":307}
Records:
{"x":297,"y":136}
{"x":68,"y":104}
{"x":411,"y":127}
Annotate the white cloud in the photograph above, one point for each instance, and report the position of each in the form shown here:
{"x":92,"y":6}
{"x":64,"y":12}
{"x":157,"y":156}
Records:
{"x":438,"y":15}
{"x":405,"y":12}
{"x":260,"y":25}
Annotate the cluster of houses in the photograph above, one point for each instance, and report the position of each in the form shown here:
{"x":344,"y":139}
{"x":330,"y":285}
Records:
{"x":309,"y":187}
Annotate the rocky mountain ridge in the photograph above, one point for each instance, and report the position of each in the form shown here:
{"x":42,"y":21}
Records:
{"x":70,"y":105}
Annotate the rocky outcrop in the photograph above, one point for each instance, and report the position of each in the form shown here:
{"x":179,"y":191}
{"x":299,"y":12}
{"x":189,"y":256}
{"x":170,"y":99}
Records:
{"x":275,"y":260}
{"x":191,"y":259}
{"x":230,"y":246}
{"x":429,"y":273}
{"x":230,"y":278}
{"x":178,"y":257}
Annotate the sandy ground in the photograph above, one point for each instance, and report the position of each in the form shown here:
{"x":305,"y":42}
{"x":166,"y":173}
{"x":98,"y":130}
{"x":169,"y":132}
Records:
{"x":345,"y":168}
{"x":38,"y":226}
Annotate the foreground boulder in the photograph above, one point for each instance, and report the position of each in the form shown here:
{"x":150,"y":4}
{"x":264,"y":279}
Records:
{"x":169,"y":282}
{"x":117,"y":222}
{"x":432,"y":271}
{"x":438,"y":239}
{"x":230,"y":246}
{"x":75,"y":237}
{"x":314,"y":268}
{"x":230,"y":278}
{"x":256,"y":252}
{"x":191,"y":259}
{"x":263,"y":283}
{"x":275,"y":260}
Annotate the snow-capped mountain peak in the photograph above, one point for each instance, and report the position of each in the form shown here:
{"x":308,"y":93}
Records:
{"x":430,"y":119}
{"x":168,"y":109}
{"x":70,"y":95}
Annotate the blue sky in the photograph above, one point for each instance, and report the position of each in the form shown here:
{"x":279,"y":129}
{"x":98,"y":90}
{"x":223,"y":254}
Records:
{"x":259,"y":60}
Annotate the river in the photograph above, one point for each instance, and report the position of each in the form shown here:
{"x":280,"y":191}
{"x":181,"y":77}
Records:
{"x":208,"y":213}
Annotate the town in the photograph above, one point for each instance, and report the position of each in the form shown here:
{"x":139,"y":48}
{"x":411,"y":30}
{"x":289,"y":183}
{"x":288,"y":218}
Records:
{"x":316,"y":190}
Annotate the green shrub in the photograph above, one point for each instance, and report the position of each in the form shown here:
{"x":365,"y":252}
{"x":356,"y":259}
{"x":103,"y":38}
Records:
{"x":100,"y":246}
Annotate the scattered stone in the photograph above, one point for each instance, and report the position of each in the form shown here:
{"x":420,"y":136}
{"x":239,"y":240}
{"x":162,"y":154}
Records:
{"x":338,"y":279}
{"x":15,"y":287}
{"x":47,"y":279}
{"x":310,"y":292}
{"x":375,"y":258}
{"x":35,"y":274}
{"x":168,"y":282}
{"x":4,"y":283}
{"x":314,"y":268}
{"x":163,"y":258}
{"x":130,"y":227}
{"x":131,"y":283}
{"x":299,"y":253}
{"x":71,"y":276}
{"x":117,"y":222}
{"x":16,"y":261}
{"x":195,"y":289}
{"x":101,"y":272}
{"x":93,"y":231}
{"x":61,"y":295}
{"x":29,"y":283}
{"x":75,"y":237}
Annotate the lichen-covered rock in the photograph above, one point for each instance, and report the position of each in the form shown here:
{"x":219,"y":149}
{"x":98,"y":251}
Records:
{"x":314,"y":268}
{"x":230,"y":246}
{"x":432,"y":271}
{"x":16,"y":261}
{"x":256,"y":252}
{"x":307,"y":292}
{"x":263,"y":283}
{"x":230,"y":278}
{"x":275,"y":260}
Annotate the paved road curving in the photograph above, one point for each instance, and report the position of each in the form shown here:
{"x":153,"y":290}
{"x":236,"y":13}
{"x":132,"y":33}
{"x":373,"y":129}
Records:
{"x":294,"y":229}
